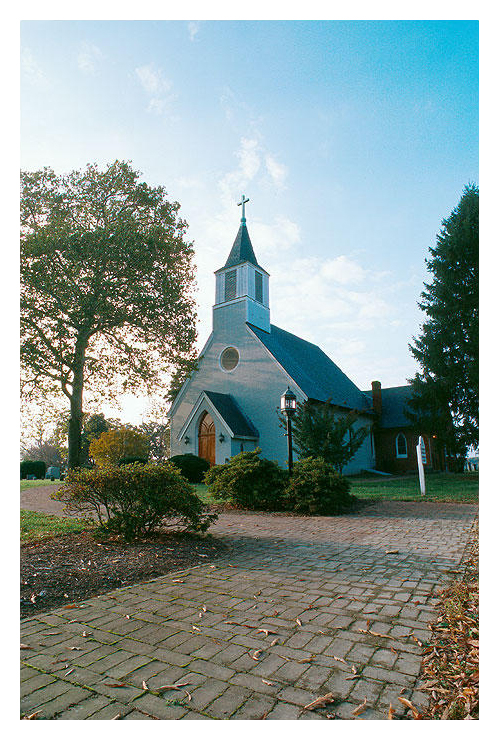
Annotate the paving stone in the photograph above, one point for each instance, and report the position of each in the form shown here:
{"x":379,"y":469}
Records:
{"x":85,"y":708}
{"x":159,"y":708}
{"x":63,"y":702}
{"x":226,"y":704}
{"x":284,"y":711}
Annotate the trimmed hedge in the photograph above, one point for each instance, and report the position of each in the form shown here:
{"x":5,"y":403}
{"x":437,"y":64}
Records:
{"x":248,"y":481}
{"x":133,"y":500}
{"x":191,"y":466}
{"x":33,"y":467}
{"x":316,"y":488}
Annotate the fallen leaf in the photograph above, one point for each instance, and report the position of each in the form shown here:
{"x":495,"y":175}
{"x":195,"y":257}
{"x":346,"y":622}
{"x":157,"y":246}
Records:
{"x":274,"y":642}
{"x":196,"y":628}
{"x":361,"y":708}
{"x":391,"y":552}
{"x":256,"y":655}
{"x":172,"y":687}
{"x":321,"y":701}
{"x":25,"y":647}
{"x":390,"y":711}
{"x":71,"y":671}
{"x":116,"y":685}
{"x":145,"y":686}
{"x":177,"y":580}
{"x":116,"y":716}
{"x":32,"y":598}
{"x":267,"y":632}
{"x":32,"y":716}
{"x":127,"y":616}
{"x":340,"y":660}
{"x":74,"y":648}
{"x":307,"y":660}
{"x":298,"y":622}
{"x":415,"y":713}
{"x":268,"y":683}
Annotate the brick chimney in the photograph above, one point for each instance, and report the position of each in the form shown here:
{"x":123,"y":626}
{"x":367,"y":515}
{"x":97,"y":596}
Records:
{"x":376,"y":394}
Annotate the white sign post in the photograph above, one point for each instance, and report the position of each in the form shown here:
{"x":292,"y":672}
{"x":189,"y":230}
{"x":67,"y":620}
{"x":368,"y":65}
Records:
{"x":419,"y":453}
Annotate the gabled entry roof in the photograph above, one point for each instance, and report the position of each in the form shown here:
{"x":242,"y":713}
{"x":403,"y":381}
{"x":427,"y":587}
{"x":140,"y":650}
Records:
{"x":231,"y":413}
{"x":312,"y":370}
{"x":226,"y":409}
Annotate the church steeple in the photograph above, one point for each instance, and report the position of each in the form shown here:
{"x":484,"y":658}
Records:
{"x":242,"y":281}
{"x":242,"y":249}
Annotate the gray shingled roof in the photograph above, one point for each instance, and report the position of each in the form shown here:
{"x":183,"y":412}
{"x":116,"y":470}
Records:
{"x":232,"y":415}
{"x":312,"y":370}
{"x":242,"y":250}
{"x":394,"y":401}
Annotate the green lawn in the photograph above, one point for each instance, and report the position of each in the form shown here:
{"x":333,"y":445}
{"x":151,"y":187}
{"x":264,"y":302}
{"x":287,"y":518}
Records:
{"x":439,"y":487}
{"x":36,"y":526}
{"x":35,"y":483}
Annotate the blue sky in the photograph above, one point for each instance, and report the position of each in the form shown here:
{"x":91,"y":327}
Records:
{"x":352,"y":139}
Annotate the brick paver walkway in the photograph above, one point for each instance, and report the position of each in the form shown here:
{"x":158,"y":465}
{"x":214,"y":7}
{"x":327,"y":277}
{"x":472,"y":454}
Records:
{"x":301,"y":607}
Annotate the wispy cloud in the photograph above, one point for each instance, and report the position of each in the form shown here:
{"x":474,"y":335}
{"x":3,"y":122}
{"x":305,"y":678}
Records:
{"x":193,"y":28}
{"x":277,"y":171}
{"x":88,"y":58}
{"x":31,"y":70}
{"x":157,"y":87}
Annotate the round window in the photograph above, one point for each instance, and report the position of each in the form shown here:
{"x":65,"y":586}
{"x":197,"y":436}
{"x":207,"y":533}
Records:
{"x":229,"y":359}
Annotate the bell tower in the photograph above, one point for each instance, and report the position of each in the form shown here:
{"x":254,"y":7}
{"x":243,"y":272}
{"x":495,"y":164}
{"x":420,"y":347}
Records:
{"x":242,"y":286}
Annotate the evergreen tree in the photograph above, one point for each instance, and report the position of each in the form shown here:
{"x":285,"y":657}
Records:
{"x":447,"y":348}
{"x":319,"y":432}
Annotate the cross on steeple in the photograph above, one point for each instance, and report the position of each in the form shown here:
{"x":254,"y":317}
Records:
{"x":243,"y":201}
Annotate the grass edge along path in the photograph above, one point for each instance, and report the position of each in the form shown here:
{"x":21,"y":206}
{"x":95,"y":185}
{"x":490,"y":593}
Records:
{"x":36,"y":526}
{"x":450,"y":668}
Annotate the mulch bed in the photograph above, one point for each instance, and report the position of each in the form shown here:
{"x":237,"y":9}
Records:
{"x":72,"y":567}
{"x":450,"y":663}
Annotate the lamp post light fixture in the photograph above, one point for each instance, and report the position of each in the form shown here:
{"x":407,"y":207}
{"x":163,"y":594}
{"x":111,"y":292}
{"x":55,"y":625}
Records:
{"x":288,"y":406}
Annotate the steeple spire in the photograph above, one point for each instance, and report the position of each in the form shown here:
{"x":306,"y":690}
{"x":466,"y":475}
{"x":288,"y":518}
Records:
{"x":242,"y":249}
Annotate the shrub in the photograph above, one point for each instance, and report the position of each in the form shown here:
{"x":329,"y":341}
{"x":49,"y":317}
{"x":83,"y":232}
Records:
{"x":191,"y":466}
{"x":316,"y":488}
{"x":130,"y":460}
{"x":33,"y":467}
{"x":133,"y":500}
{"x":248,"y":481}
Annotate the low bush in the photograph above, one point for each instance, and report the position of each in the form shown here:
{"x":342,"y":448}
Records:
{"x":33,"y":467}
{"x":130,"y":459}
{"x":316,"y":488}
{"x":133,"y":500}
{"x":191,"y":466}
{"x":248,"y":481}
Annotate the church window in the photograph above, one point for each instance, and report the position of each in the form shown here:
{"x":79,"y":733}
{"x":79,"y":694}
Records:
{"x":230,"y":285}
{"x":401,"y":445}
{"x":229,"y":359}
{"x":259,"y":287}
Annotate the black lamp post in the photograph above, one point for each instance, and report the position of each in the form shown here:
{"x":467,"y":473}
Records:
{"x":288,"y":406}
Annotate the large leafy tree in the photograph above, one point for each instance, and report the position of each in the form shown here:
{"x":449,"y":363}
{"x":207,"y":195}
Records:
{"x":447,"y":348}
{"x":106,"y":286}
{"x":318,"y":431}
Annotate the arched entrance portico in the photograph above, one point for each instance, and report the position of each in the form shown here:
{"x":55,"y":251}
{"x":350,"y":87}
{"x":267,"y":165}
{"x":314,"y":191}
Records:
{"x":206,"y":438}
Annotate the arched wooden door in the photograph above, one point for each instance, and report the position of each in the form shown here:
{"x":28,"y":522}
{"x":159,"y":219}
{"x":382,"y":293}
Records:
{"x":206,"y":438}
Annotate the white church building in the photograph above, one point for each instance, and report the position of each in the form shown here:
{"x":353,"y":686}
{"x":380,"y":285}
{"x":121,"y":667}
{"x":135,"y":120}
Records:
{"x":231,"y":402}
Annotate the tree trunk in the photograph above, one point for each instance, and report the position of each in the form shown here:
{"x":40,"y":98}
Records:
{"x":76,"y":418}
